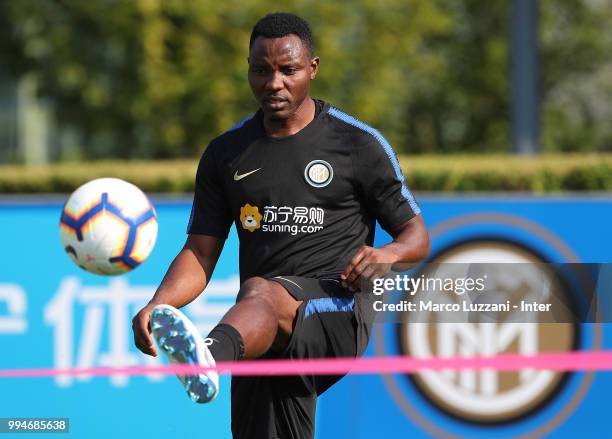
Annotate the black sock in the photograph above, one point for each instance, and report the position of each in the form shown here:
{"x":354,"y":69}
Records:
{"x":227,"y":343}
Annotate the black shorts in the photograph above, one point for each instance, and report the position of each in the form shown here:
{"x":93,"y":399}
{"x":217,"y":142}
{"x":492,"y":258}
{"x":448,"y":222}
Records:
{"x":331,"y":322}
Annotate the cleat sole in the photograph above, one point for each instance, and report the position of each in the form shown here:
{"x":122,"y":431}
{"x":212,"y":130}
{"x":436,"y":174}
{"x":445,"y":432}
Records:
{"x":177,"y":339}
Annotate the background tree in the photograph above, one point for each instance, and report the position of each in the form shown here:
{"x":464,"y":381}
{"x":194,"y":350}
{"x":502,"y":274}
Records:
{"x":160,"y":78}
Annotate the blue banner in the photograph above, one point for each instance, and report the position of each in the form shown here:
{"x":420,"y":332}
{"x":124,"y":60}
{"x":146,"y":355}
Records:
{"x":53,"y":314}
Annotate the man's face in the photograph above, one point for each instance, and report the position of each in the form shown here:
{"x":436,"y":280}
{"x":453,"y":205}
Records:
{"x":280,"y":70}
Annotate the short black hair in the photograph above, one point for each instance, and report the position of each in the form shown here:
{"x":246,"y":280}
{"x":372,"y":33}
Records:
{"x":281,"y":24}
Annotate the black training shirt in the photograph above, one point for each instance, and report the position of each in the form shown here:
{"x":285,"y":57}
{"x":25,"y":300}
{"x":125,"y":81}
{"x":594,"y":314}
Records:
{"x":302,"y":204}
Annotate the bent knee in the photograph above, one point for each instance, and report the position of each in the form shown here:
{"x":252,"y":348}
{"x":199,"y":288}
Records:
{"x":254,"y":287}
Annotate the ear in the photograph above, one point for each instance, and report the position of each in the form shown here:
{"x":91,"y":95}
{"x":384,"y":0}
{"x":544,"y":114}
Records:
{"x":314,"y":67}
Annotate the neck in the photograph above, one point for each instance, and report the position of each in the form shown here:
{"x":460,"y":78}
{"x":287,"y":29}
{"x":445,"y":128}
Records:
{"x":286,"y":127}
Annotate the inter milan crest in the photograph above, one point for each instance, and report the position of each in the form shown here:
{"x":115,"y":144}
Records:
{"x":318,"y":173}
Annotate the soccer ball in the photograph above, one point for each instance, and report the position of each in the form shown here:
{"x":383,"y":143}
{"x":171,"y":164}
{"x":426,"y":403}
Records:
{"x":108,"y":226}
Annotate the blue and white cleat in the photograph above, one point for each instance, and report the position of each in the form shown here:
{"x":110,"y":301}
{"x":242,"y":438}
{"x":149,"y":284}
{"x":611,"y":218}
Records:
{"x":179,"y":339}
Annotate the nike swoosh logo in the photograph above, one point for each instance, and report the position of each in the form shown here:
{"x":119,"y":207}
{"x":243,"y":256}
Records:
{"x":246,"y":174}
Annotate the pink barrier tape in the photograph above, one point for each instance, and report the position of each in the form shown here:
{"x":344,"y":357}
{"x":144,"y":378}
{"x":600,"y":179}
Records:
{"x":567,"y":361}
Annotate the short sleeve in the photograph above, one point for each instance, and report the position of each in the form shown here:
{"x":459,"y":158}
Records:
{"x":210,"y":212}
{"x":381,"y":182}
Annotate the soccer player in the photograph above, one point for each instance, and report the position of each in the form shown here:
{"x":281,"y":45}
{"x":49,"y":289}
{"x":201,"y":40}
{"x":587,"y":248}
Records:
{"x":304,"y":183}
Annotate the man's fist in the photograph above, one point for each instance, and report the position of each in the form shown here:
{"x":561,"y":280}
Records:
{"x":367,"y":264}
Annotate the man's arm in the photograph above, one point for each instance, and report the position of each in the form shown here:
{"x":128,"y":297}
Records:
{"x":410,"y":244}
{"x":185,"y":280}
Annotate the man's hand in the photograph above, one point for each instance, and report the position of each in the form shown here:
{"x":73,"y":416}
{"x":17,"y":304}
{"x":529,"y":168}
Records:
{"x":368,"y":264}
{"x":410,"y":245}
{"x":142,"y":331}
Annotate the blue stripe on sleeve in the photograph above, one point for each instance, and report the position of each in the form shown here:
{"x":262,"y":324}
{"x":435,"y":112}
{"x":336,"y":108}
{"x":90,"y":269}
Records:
{"x":191,"y":216}
{"x":233,"y":128}
{"x":388,"y":150}
{"x":242,"y":122}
